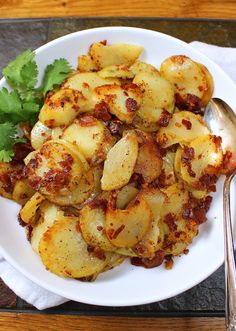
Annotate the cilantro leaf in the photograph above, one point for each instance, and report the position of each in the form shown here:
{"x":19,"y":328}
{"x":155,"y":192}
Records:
{"x":10,"y":106}
{"x":8,"y":138}
{"x":55,"y":74}
{"x":22,"y":72}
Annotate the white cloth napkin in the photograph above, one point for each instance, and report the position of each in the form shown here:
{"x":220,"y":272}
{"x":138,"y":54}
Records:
{"x":40,"y":298}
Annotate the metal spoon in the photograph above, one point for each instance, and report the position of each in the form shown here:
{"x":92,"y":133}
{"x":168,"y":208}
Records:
{"x":221,"y":120}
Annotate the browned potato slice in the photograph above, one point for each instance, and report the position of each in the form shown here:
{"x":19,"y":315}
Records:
{"x":125,"y":196}
{"x":28,"y":212}
{"x":176,"y":197}
{"x":79,"y":195}
{"x":50,"y":213}
{"x":188,"y":78}
{"x":85,"y":64}
{"x":118,"y":71}
{"x":122,"y":101}
{"x":144,"y":125}
{"x":91,"y":137}
{"x":22,"y":192}
{"x":155,"y":199}
{"x":142,"y":67}
{"x":158,"y":96}
{"x":126,"y":227}
{"x":168,"y":171}
{"x":149,"y":162}
{"x":39,"y":134}
{"x":210,"y":85}
{"x":202,"y":157}
{"x":107,"y":55}
{"x":61,"y":108}
{"x":183,"y":127}
{"x":120,"y":162}
{"x":64,"y":251}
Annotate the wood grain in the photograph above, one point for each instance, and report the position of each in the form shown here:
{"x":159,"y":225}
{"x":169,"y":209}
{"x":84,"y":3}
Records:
{"x":157,"y":8}
{"x":37,"y":322}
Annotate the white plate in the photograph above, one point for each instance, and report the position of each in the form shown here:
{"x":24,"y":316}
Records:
{"x":125,"y":285}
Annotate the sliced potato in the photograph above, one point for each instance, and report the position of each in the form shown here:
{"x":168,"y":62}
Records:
{"x":61,"y":108}
{"x":22,"y":192}
{"x":122,"y":101}
{"x":107,"y":55}
{"x":183,"y":127}
{"x":144,"y":125}
{"x":68,"y":260}
{"x":125,"y":196}
{"x":120,"y":162}
{"x":188,"y":78}
{"x":85,"y":64}
{"x":39,"y":134}
{"x":155,"y":199}
{"x":141,"y":67}
{"x":158,"y":96}
{"x":92,"y":138}
{"x":126,"y":227}
{"x":118,"y":71}
{"x":28,"y":212}
{"x":207,"y":159}
{"x":149,"y":162}
{"x":176,"y":197}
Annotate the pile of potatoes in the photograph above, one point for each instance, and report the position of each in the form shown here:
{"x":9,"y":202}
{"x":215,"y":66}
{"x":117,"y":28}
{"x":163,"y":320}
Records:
{"x":109,"y":162}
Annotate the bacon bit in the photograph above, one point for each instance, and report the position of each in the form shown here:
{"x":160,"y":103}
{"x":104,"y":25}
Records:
{"x":67,"y":162}
{"x":179,"y":59}
{"x":98,"y":203}
{"x":78,"y":228}
{"x":76,"y":108}
{"x":227,"y":162}
{"x":169,"y":264}
{"x":164,"y":118}
{"x":50,"y":123}
{"x":200,"y":88}
{"x":187,"y":124}
{"x":118,"y":231}
{"x":99,"y":228}
{"x":217,"y":141}
{"x":208,"y":181}
{"x":131,"y":105}
{"x":110,"y":233}
{"x":156,"y":261}
{"x":103,"y":42}
{"x":186,"y":251}
{"x":186,"y":157}
{"x":96,"y":252}
{"x":34,"y":181}
{"x":87,"y":120}
{"x":131,"y":86}
{"x":140,"y":249}
{"x":190,"y":102}
{"x":195,"y":210}
{"x":170,"y":221}
{"x":20,"y":152}
{"x":29,"y":230}
{"x":85,"y":85}
{"x":101,"y":111}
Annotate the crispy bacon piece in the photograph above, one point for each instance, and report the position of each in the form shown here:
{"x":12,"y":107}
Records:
{"x":101,"y":111}
{"x":164,"y":118}
{"x":131,"y":105}
{"x":156,"y":261}
{"x":98,"y":203}
{"x":187,"y":124}
{"x":96,"y":252}
{"x":190,"y":102}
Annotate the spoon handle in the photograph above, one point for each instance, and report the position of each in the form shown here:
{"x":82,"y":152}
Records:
{"x":230,"y":272}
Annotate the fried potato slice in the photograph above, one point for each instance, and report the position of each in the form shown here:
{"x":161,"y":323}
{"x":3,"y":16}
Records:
{"x":188,"y":78}
{"x":183,"y":127}
{"x":85,"y":64}
{"x":61,"y":108}
{"x":206,"y":159}
{"x":144,"y":125}
{"x":22,"y":192}
{"x":176,"y":197}
{"x":64,"y":251}
{"x":122,"y":101}
{"x":50,"y":213}
{"x":125,"y":196}
{"x":158,"y":96}
{"x":120,"y":162}
{"x":117,"y":71}
{"x":91,"y":137}
{"x":149,"y":161}
{"x":141,"y":67}
{"x":39,"y":134}
{"x":28,"y":212}
{"x":108,"y":55}
{"x":126,"y":227}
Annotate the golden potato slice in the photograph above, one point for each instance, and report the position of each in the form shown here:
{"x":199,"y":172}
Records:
{"x":168,"y":172}
{"x":126,"y":227}
{"x":155,"y":199}
{"x":113,"y":260}
{"x":28,"y":212}
{"x":188,"y":78}
{"x":203,"y":156}
{"x":39,"y":134}
{"x":183,"y":127}
{"x":210,"y":85}
{"x":82,"y":192}
{"x":125,"y":196}
{"x":108,"y":55}
{"x":56,"y":168}
{"x":149,"y":162}
{"x":64,"y":251}
{"x":85,"y":64}
{"x":177,"y":162}
{"x":144,"y":125}
{"x":141,"y":67}
{"x":120,"y":162}
{"x":92,"y":223}
{"x":118,"y":71}
{"x":22,"y":192}
{"x":176,"y":197}
{"x":50,"y":213}
{"x":158,"y":96}
{"x":91,"y":137}
{"x":122,"y":101}
{"x":61,"y":108}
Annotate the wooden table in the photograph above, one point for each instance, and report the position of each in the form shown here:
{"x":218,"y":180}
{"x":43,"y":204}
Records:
{"x":201,"y":308}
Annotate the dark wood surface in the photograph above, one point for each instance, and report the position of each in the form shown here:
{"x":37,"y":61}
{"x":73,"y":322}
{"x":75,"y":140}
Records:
{"x":205,"y":299}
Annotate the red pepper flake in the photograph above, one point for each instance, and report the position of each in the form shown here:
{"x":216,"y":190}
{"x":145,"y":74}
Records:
{"x":156,"y":261}
{"x":131,"y":105}
{"x":187,"y":124}
{"x":164,"y":118}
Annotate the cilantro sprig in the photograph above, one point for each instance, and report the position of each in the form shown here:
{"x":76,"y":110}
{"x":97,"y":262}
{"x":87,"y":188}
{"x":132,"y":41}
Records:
{"x":24,"y":101}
